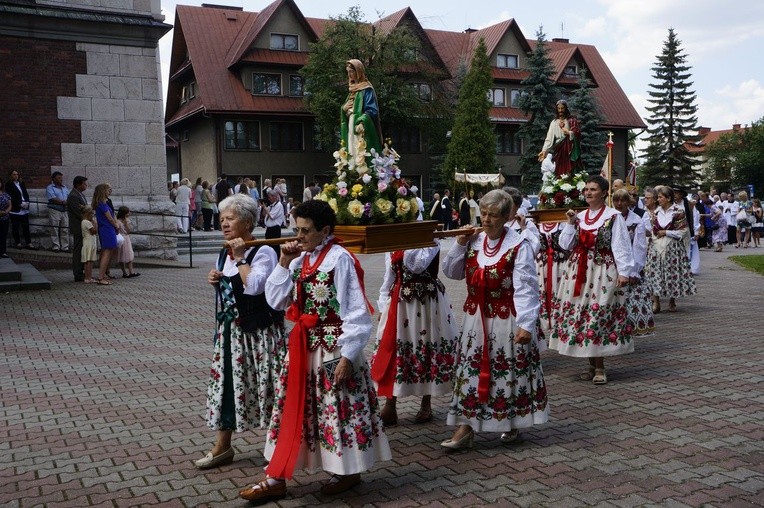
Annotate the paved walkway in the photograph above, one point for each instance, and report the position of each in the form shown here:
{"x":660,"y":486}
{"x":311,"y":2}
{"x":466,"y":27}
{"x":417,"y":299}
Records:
{"x":103,"y":392}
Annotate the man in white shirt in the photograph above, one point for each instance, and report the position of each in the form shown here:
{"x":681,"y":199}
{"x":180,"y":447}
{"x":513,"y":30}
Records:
{"x":731,"y":208}
{"x":274,"y":215}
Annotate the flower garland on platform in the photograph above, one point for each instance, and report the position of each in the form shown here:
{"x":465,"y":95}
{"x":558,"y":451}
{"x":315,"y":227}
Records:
{"x":563,"y":192}
{"x":363,"y":195}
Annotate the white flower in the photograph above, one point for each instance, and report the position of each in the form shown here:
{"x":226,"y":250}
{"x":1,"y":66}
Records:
{"x":567,"y":200}
{"x":342,"y":185}
{"x":580,"y":185}
{"x":366,"y":178}
{"x":320,"y":292}
{"x":566,"y":187}
{"x":547,"y":189}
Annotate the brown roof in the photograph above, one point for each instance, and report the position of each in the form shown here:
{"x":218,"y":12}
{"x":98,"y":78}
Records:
{"x":708,"y":138}
{"x":217,"y":39}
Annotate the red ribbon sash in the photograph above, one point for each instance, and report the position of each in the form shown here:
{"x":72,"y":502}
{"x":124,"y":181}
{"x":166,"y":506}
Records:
{"x":383,"y":369}
{"x":586,"y":241}
{"x":290,"y":433}
{"x":549,"y":275}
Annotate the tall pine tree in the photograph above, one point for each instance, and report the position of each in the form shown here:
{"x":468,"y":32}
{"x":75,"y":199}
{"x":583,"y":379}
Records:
{"x":585,"y":107}
{"x":672,"y":121}
{"x":538,"y":101}
{"x":473,"y":143}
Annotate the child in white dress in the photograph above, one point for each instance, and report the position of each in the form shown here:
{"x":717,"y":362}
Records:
{"x":89,"y":246}
{"x":125,"y":253}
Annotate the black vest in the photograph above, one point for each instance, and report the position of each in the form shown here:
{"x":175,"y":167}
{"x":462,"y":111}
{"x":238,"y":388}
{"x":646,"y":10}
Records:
{"x":254,"y":311}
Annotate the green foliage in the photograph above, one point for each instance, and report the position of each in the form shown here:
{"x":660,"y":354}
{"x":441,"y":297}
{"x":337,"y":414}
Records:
{"x":736,"y":158}
{"x":473,"y":145}
{"x":538,"y":101}
{"x":586,"y":108}
{"x":672,"y":121}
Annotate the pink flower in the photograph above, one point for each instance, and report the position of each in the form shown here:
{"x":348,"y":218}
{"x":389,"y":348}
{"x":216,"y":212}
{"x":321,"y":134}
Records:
{"x":382,"y":186}
{"x":343,"y":192}
{"x":595,"y":306}
{"x":402,"y":190}
{"x":612,"y":337}
{"x":589,"y":333}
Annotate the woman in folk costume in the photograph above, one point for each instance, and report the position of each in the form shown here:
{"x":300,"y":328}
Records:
{"x":326,"y":414}
{"x":590,"y":316}
{"x":638,"y":295}
{"x":498,"y":380}
{"x":416,"y":334}
{"x":250,"y":343}
{"x":550,"y":261}
{"x":667,"y":260}
{"x":360,"y":125}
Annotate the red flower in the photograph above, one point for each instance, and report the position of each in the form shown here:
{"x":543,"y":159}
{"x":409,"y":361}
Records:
{"x":574,"y":194}
{"x":559,"y":198}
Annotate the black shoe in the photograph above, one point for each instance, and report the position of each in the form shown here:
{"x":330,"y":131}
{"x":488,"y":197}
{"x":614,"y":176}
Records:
{"x":4,"y":256}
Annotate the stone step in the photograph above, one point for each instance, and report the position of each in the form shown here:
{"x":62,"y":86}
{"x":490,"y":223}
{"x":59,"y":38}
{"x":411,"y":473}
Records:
{"x":9,"y":271}
{"x":27,"y":277}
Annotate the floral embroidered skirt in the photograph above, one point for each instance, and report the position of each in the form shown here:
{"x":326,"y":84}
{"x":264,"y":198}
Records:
{"x":595,"y":323}
{"x":639,"y":301}
{"x":545,"y":313}
{"x":342,"y":430}
{"x":668,"y":269}
{"x":255,"y":365}
{"x":517,"y":392}
{"x":426,"y":337}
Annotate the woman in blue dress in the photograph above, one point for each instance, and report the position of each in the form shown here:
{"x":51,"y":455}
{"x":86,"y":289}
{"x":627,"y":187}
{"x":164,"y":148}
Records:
{"x":107,"y":230}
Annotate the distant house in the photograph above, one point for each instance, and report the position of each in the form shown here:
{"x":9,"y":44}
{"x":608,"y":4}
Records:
{"x":720,"y":176}
{"x":234,"y":99}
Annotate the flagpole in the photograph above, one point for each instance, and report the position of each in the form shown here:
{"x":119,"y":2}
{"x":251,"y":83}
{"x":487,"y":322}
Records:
{"x":610,"y":167}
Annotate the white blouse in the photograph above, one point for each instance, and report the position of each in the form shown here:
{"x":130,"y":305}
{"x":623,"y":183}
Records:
{"x":262,"y":265}
{"x":638,"y":243}
{"x":524,"y":278}
{"x":620,"y":243}
{"x":356,"y":320}
{"x":415,"y":261}
{"x":664,"y":219}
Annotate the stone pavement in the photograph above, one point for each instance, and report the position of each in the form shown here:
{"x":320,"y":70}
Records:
{"x":103,"y":396}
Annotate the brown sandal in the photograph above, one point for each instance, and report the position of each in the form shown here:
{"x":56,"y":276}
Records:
{"x":423,"y":416}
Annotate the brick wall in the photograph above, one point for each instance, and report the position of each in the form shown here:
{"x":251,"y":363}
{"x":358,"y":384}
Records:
{"x":34,"y":73}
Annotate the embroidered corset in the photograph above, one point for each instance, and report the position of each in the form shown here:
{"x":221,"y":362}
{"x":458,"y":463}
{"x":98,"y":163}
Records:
{"x":320,"y":298}
{"x":678,"y":221}
{"x":550,"y":244}
{"x":598,"y":241}
{"x":490,"y":288}
{"x":419,"y":286}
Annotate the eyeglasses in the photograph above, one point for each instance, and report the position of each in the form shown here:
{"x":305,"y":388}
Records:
{"x":304,"y":231}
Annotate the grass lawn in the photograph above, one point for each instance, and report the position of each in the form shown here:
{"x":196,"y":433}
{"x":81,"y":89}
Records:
{"x":753,"y":263}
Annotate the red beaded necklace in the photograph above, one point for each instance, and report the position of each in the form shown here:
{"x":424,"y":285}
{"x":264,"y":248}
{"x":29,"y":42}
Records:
{"x":589,"y":221}
{"x":547,"y":227}
{"x":492,"y":251}
{"x":308,"y":269}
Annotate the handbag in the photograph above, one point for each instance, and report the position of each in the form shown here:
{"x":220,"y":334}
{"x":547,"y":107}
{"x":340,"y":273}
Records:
{"x":120,"y":240}
{"x":330,"y":366}
{"x":742,"y":216}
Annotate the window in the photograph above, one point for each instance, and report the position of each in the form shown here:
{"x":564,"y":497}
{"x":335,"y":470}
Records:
{"x":285,"y":42}
{"x":496,"y":96}
{"x":266,"y":84}
{"x":514,"y":97}
{"x":296,"y":88}
{"x":571,"y":70}
{"x":286,"y":136}
{"x":242,"y":135}
{"x":507,"y":61}
{"x":423,"y":91}
{"x":507,"y":140}
{"x":406,"y":140}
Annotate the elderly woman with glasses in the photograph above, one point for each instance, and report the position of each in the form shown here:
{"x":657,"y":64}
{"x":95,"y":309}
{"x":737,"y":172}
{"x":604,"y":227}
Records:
{"x":250,"y":342}
{"x":326,"y":414}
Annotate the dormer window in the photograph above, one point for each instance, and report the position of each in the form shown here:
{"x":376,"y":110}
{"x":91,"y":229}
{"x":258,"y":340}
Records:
{"x":266,"y":84}
{"x":571,"y":70}
{"x":507,"y":61}
{"x":188,"y":92}
{"x":423,"y":91}
{"x":285,"y":42}
{"x":496,"y":96}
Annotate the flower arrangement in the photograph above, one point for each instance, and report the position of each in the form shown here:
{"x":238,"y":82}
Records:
{"x":562,"y":192}
{"x":363,"y":195}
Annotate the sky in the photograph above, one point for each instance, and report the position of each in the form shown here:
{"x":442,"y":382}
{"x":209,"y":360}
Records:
{"x":723,"y":41}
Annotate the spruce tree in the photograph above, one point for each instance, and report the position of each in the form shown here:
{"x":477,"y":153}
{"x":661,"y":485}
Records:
{"x":672,"y":122}
{"x":540,"y":93}
{"x":585,"y":107}
{"x":473,"y":143}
